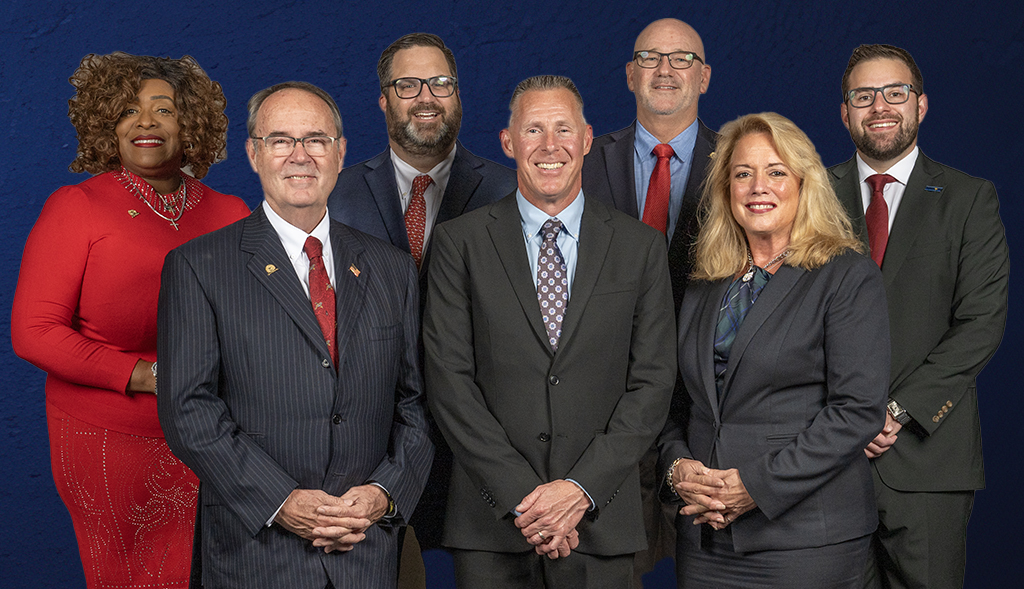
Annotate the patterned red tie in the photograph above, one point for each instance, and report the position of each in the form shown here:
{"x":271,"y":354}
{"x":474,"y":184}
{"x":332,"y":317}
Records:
{"x":656,"y":204}
{"x":416,"y":217}
{"x":877,"y":216}
{"x":321,"y":295}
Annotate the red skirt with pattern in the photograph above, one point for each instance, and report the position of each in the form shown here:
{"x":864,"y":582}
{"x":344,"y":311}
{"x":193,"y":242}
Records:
{"x":133,"y":504}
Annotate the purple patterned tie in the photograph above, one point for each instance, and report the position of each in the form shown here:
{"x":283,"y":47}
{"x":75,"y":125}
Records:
{"x":552,"y":283}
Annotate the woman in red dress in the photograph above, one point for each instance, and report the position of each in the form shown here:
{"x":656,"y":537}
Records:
{"x":85,"y":307}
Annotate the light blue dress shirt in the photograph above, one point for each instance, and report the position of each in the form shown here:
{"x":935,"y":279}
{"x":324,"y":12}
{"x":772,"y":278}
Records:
{"x":568,"y":239}
{"x":679,"y":167}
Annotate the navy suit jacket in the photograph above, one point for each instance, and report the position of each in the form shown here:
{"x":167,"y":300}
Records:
{"x":366,"y":195}
{"x":804,"y":393}
{"x":517,"y":415}
{"x":251,"y":402}
{"x":946,"y":271}
{"x":608,"y":177}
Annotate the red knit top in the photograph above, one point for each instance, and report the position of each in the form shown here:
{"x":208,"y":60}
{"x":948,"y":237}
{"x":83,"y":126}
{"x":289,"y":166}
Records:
{"x":85,"y":306}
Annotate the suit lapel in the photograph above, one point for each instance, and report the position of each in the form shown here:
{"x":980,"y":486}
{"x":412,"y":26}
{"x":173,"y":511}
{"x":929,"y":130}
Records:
{"x":711,"y":295}
{"x":351,"y":275}
{"x":847,"y":187}
{"x":506,"y":231}
{"x":618,"y":161}
{"x":381,"y":182}
{"x":774,"y":293}
{"x":595,"y":240}
{"x":913,"y":207}
{"x":680,"y":264}
{"x":272,"y":268}
{"x":462,"y":183}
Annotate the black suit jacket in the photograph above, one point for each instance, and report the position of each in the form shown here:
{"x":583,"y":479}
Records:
{"x":804,"y":393}
{"x":251,"y":402}
{"x":516,"y":415}
{"x":946,"y":271}
{"x":608,"y":177}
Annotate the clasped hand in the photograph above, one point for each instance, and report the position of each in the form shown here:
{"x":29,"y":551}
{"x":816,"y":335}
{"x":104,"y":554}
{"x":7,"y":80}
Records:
{"x":715,"y":497}
{"x":333,"y":523}
{"x":548,"y":517}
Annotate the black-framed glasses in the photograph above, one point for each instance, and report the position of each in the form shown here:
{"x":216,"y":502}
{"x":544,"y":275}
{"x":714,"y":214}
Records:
{"x":315,"y":145}
{"x":679,"y":60}
{"x":893,"y":94}
{"x":440,"y":86}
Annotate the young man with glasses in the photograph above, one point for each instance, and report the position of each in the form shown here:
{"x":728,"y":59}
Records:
{"x":937,"y":236}
{"x":653,"y":170}
{"x":425,"y":177}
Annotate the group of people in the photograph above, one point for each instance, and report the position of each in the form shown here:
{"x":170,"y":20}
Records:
{"x":558,"y":373}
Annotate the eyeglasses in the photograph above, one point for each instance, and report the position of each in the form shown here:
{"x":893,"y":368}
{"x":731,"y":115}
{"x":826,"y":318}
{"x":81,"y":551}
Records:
{"x":679,"y":60}
{"x":893,"y":94}
{"x":315,"y":145}
{"x":440,"y":86}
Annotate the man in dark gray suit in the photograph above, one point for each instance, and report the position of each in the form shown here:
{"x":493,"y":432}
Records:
{"x":937,"y":235}
{"x":550,"y":357}
{"x":668,"y":73}
{"x":382,"y":196}
{"x":289,"y":375}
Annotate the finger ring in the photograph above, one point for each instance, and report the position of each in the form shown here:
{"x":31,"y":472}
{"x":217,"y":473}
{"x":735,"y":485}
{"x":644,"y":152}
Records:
{"x":541,"y":534}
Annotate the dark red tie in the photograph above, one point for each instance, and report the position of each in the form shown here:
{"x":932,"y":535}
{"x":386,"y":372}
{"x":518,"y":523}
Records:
{"x":321,"y":295}
{"x":877,"y":216}
{"x":416,"y":217}
{"x":656,"y":204}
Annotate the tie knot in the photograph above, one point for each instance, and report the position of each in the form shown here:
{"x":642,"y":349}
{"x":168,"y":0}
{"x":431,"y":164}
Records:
{"x":313,"y":248}
{"x":420,"y":183}
{"x":663,"y":150}
{"x":878,"y":181}
{"x":551,"y":229}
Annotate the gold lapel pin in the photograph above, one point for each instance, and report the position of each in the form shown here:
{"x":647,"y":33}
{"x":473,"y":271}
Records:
{"x":270,"y":269}
{"x":354,"y":270}
{"x":133,"y":213}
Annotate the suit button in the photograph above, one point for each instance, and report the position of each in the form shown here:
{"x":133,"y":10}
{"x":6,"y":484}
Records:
{"x":935,"y":419}
{"x":337,"y":419}
{"x":326,"y":363}
{"x":553,"y":379}
{"x":544,"y":437}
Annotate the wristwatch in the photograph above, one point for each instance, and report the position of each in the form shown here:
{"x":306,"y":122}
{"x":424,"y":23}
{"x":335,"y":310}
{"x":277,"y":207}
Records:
{"x":898,"y":413}
{"x":153,"y":368}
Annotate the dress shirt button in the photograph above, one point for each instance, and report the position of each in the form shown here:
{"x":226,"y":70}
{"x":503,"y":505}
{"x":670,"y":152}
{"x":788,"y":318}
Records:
{"x":553,"y":379}
{"x":325,"y":363}
{"x":337,"y":419}
{"x":544,"y":437}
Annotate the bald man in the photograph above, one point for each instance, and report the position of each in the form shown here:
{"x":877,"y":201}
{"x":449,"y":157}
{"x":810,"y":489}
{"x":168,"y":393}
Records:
{"x":653,"y":170}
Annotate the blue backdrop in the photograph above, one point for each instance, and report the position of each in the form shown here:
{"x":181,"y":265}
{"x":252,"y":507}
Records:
{"x":786,"y":57}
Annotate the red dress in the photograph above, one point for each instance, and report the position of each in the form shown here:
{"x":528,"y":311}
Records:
{"x":85,"y":312}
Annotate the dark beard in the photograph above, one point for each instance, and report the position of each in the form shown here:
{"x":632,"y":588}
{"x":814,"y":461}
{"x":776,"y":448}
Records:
{"x":886,"y":152}
{"x":440,"y":140}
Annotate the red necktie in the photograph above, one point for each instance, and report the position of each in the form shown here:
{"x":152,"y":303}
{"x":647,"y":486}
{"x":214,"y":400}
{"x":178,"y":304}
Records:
{"x":877,"y":216}
{"x":416,"y":216}
{"x":656,"y":204}
{"x":321,"y":295}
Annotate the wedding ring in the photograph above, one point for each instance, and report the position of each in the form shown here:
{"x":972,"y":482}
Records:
{"x":541,"y":534}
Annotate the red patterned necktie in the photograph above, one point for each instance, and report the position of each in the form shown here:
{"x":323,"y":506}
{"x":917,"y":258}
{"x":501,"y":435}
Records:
{"x":656,"y":204}
{"x":321,"y":295}
{"x":877,"y":216}
{"x":416,"y":217}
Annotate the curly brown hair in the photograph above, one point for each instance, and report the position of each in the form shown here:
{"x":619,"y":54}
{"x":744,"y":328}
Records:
{"x":104,"y":86}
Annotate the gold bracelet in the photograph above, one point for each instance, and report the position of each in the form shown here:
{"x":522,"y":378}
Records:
{"x":668,"y":476}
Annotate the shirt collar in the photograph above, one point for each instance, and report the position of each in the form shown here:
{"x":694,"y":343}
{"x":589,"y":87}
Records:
{"x":533,"y":219}
{"x":405,"y":173}
{"x":682,"y":143}
{"x":900,"y":170}
{"x":294,"y":239}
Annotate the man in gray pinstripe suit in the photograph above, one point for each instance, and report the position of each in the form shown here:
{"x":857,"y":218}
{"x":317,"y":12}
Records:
{"x":309,"y":457}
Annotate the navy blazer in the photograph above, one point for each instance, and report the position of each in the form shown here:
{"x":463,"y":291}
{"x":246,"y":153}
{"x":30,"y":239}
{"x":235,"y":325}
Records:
{"x":608,"y":177}
{"x":251,"y":402}
{"x":804,"y":393}
{"x":366,"y":195}
{"x":946,"y":271}
{"x":517,"y":415}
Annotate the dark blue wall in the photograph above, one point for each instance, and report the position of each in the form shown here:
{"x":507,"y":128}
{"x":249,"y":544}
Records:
{"x":786,"y":57}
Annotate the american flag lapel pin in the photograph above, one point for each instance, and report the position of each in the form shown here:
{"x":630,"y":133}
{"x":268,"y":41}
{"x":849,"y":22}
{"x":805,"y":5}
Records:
{"x":354,"y":270}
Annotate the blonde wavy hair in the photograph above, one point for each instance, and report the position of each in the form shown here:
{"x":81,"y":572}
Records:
{"x":821,"y":229}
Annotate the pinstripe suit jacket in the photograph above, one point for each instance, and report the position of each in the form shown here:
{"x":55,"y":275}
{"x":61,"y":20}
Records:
{"x":250,"y":401}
